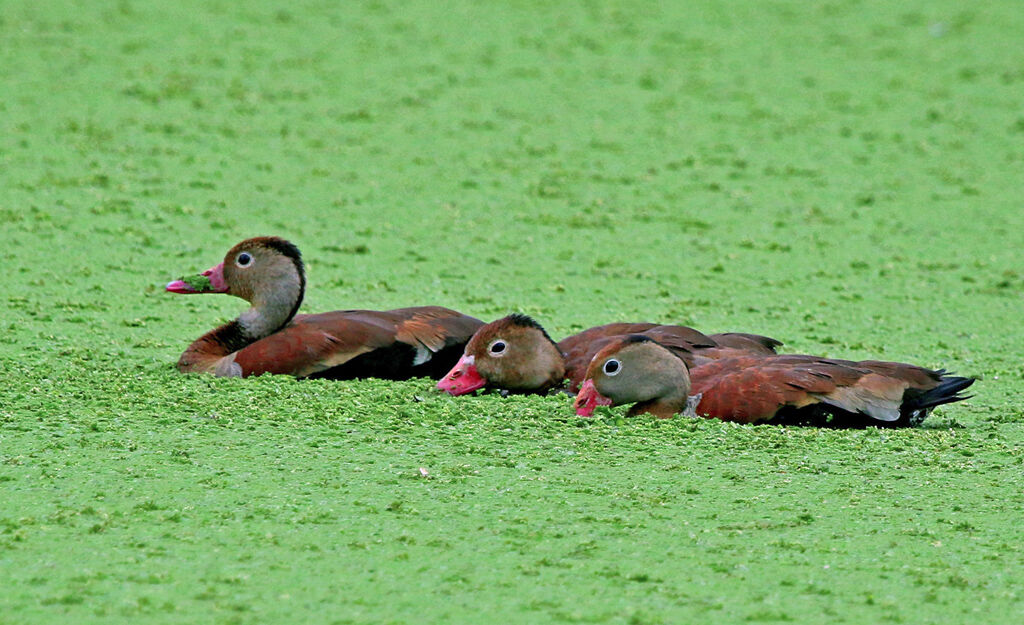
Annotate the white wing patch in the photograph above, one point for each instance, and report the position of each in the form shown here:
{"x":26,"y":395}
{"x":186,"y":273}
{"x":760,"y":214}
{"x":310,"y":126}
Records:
{"x":423,"y":354}
{"x":227,"y":367}
{"x":869,"y":396}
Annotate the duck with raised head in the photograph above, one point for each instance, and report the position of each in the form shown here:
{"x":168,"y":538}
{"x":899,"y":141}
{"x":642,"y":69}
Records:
{"x":785,"y":389}
{"x":270,"y":337}
{"x":515,"y":353}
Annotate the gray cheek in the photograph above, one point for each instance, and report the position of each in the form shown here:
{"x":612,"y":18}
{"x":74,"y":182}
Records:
{"x":625,"y":391}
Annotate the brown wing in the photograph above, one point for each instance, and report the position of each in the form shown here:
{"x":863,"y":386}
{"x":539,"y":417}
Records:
{"x":404,"y":342}
{"x":434,"y":327}
{"x":579,"y":349}
{"x":750,"y":343}
{"x":579,"y":344}
{"x":692,"y":346}
{"x":752,"y":389}
{"x":313,"y":343}
{"x":757,"y":388}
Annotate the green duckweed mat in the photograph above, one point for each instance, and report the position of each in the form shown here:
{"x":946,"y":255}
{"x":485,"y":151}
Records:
{"x":844,"y":176}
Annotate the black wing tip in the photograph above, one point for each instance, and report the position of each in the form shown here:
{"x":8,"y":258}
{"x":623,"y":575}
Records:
{"x":956,"y":383}
{"x":947,"y":392}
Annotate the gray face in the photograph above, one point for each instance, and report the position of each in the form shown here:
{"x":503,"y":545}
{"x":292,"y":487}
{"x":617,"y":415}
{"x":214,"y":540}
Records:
{"x":256,"y":273}
{"x":640,"y":372}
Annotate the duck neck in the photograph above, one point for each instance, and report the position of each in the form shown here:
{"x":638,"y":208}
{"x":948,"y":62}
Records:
{"x":661,"y":407}
{"x":271,"y":312}
{"x":557,"y":377}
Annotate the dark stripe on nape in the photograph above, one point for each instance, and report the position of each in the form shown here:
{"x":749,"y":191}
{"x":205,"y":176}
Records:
{"x":285,"y":248}
{"x":288,"y":249}
{"x":526,"y":321}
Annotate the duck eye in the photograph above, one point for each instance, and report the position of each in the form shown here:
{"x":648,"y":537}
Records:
{"x":497,"y":348}
{"x":244,"y":259}
{"x":612,"y":367}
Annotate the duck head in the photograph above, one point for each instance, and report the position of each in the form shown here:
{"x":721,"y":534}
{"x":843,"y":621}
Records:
{"x":513,"y":353}
{"x":267,"y":272}
{"x":635,"y":370}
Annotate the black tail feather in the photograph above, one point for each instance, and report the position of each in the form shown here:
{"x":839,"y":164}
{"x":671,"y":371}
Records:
{"x":948,"y":391}
{"x":917,"y":405}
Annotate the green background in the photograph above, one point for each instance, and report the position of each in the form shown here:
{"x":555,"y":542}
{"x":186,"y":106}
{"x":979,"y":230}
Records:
{"x":844,"y":176}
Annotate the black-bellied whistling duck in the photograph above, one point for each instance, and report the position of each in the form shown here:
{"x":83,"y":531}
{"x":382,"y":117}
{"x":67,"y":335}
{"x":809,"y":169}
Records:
{"x":269,"y":337}
{"x":515,"y":353}
{"x":789,"y":389}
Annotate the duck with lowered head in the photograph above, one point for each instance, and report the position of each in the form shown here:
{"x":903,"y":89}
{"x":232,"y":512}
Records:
{"x":515,"y":353}
{"x":786,"y":389}
{"x":270,"y":337}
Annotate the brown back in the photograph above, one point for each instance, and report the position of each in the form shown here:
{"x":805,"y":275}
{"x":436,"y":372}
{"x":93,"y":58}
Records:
{"x":692,"y":346}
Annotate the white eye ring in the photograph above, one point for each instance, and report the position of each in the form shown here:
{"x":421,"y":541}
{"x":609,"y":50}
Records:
{"x":244,"y":260}
{"x":612,"y":367}
{"x":497,"y":348}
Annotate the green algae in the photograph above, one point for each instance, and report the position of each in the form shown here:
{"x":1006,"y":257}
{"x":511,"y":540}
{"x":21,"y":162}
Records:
{"x":842,"y":176}
{"x":197,"y":282}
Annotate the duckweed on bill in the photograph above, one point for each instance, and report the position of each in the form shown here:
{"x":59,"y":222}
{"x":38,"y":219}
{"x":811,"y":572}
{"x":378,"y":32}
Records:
{"x":197,"y":282}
